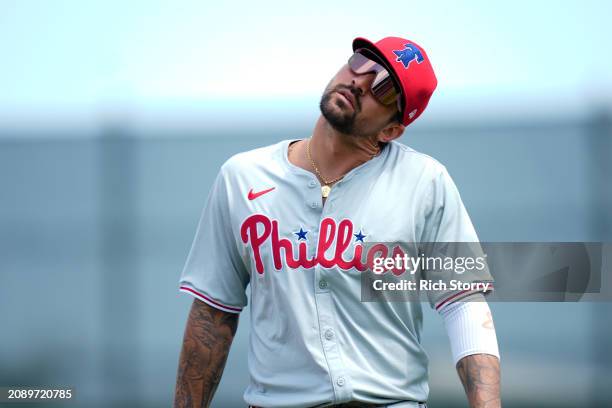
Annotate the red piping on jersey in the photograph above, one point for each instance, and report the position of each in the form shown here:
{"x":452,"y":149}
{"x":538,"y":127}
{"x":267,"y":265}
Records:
{"x":237,"y":309}
{"x":450,"y":298}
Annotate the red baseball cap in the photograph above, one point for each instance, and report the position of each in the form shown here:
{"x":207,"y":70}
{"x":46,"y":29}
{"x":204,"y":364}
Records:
{"x":411,"y":68}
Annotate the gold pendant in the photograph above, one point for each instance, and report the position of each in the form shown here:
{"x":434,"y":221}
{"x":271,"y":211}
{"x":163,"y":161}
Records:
{"x":325,"y":191}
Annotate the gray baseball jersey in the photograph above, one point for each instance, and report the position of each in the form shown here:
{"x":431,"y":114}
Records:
{"x":312,"y":341}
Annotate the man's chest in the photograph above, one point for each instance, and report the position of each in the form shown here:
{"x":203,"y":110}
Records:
{"x":291,"y":228}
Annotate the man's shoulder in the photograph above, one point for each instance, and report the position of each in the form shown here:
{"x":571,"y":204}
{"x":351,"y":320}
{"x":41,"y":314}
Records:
{"x":261,"y":158}
{"x":406,"y":158}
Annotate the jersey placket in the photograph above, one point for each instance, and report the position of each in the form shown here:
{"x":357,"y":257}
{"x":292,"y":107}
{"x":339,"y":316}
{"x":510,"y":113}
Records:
{"x":339,"y":377}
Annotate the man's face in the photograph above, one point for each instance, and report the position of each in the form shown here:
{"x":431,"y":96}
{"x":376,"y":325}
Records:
{"x":349,"y":106}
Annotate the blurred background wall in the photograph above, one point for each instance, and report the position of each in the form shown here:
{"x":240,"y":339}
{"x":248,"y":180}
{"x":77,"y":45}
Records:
{"x":115,"y":117}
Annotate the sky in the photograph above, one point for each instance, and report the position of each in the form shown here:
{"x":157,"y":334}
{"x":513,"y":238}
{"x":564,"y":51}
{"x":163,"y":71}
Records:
{"x":82,"y":60}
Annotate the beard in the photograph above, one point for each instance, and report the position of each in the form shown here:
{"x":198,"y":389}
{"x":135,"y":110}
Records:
{"x":341,"y":120}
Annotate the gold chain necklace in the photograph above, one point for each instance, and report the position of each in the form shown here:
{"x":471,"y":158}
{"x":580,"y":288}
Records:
{"x":326,"y":187}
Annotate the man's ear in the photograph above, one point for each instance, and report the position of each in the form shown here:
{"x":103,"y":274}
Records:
{"x":391,"y":132}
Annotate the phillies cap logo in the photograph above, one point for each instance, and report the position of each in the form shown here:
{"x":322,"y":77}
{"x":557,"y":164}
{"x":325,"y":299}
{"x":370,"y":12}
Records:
{"x":408,"y":54}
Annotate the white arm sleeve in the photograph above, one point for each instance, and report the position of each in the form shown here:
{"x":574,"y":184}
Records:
{"x":470,"y":328}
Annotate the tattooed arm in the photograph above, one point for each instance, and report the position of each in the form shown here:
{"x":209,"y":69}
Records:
{"x":470,"y":329}
{"x":480,"y":376}
{"x":206,"y":343}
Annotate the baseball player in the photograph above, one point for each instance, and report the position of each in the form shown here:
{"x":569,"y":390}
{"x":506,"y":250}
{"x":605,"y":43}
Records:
{"x":292,"y":220}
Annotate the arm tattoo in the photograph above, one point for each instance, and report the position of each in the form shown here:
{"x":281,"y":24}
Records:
{"x":206,"y":343}
{"x":480,"y":376}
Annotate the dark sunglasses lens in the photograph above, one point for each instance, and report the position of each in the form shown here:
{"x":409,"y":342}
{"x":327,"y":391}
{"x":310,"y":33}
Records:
{"x":360,"y":64}
{"x":383,"y":87}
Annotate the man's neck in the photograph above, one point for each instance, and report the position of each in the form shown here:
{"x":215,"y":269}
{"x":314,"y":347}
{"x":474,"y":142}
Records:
{"x":335,"y":153}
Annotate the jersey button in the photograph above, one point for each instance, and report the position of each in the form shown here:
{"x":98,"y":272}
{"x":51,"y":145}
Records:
{"x":340,"y":381}
{"x":322,"y":284}
{"x":312,"y":184}
{"x":329,"y":334}
{"x":314,"y":204}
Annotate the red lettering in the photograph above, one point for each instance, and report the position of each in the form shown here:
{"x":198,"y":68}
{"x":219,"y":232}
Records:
{"x":258,"y":228}
{"x":376,"y":251}
{"x":249,"y":230}
{"x":326,"y":239}
{"x":282,"y":243}
{"x":397,"y":251}
{"x":303,"y":256}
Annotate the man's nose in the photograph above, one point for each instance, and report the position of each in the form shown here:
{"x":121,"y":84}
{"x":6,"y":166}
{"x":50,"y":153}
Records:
{"x":362,"y":82}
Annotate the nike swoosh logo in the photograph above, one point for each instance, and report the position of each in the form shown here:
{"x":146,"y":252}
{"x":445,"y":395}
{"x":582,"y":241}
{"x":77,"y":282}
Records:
{"x":253,"y":195}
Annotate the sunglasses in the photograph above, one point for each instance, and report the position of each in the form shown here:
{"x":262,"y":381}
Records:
{"x":383,"y":87}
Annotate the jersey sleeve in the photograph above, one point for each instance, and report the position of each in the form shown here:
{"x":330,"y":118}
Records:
{"x":214,"y":271}
{"x":449,"y":235}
